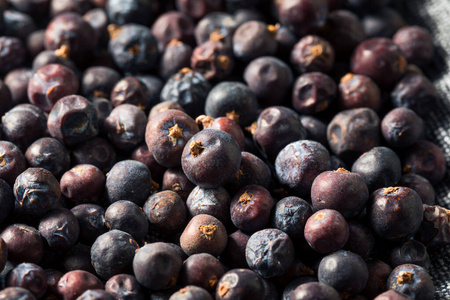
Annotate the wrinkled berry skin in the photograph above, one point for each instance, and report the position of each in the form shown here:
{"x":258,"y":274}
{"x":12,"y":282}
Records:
{"x":29,"y":276}
{"x":435,"y":228}
{"x":353,"y":132}
{"x":299,"y":163}
{"x":290,"y":215}
{"x":345,"y":271}
{"x":12,"y":162}
{"x":72,"y":120}
{"x":24,"y":243}
{"x":395,"y":213}
{"x":37,"y":190}
{"x":240,"y":284}
{"x":411,"y":280}
{"x":189,"y":89}
{"x":410,"y":252}
{"x":380,"y":59}
{"x":60,"y":229}
{"x":269,"y":252}
{"x":134,"y":49}
{"x":217,"y":163}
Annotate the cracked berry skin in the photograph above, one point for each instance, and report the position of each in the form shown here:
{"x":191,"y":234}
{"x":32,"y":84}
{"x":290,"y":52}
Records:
{"x":167,"y":134}
{"x":189,"y":89}
{"x":72,"y":120}
{"x":380,"y":59}
{"x":204,"y":234}
{"x":411,"y":280}
{"x":290,"y":215}
{"x":157,"y":265}
{"x":112,"y":253}
{"x":250,"y":208}
{"x":29,"y":276}
{"x":37,"y":191}
{"x":395,"y":213}
{"x":60,"y":229}
{"x":326,"y":231}
{"x":134,"y":49}
{"x":299,"y":163}
{"x":211,"y":158}
{"x":345,"y":271}
{"x":269,"y":252}
{"x":332,"y":189}
{"x":240,"y":284}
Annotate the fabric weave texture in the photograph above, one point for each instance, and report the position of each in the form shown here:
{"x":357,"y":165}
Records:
{"x":435,"y":16}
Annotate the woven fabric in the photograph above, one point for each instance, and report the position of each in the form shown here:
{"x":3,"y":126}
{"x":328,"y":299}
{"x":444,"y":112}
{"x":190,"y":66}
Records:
{"x":435,"y":16}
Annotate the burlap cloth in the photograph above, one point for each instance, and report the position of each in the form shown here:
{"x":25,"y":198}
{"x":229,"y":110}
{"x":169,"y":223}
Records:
{"x":435,"y":16}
